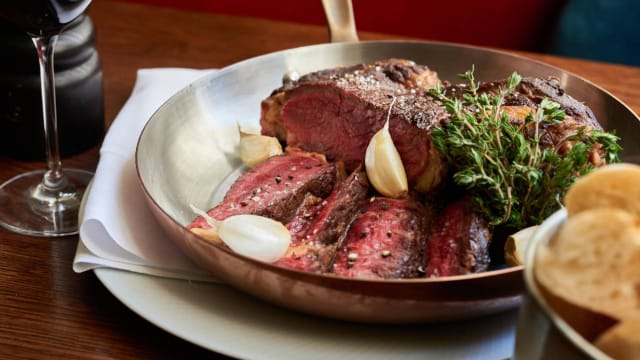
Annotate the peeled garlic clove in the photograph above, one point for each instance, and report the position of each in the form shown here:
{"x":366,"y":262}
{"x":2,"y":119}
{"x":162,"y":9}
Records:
{"x":384,"y":166}
{"x":515,"y":245}
{"x":255,"y":236}
{"x":255,"y":149}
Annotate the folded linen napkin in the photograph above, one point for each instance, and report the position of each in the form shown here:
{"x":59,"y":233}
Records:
{"x":117,"y":230}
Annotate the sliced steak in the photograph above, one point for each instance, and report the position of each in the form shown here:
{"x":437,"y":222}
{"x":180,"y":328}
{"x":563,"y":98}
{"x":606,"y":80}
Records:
{"x":385,"y":240}
{"x":318,"y":227}
{"x":336,"y":112}
{"x":275,"y":188}
{"x":302,"y":255}
{"x":458,"y":243}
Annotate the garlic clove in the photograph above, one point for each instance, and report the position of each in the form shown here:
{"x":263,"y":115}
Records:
{"x":384,"y":165}
{"x":211,"y":233}
{"x":255,"y":148}
{"x":211,"y":221}
{"x":515,"y":244}
{"x":254,"y":236}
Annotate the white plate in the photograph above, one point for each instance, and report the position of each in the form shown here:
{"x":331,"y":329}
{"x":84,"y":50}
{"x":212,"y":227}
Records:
{"x":224,"y":320}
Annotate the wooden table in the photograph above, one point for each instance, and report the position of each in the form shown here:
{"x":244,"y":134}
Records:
{"x":47,"y":310}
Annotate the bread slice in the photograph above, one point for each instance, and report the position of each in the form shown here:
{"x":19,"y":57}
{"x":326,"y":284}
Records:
{"x":615,"y":185}
{"x":622,"y":341}
{"x":593,"y":262}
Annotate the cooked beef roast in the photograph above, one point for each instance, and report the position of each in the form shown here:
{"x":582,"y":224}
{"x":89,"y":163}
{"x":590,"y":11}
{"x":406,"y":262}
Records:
{"x":531,"y":91}
{"x":319,"y":225}
{"x":275,"y":188}
{"x":458,"y":243}
{"x":336,"y":112}
{"x":384,"y":241}
{"x":526,"y":98}
{"x":392,"y":75}
{"x":332,"y":114}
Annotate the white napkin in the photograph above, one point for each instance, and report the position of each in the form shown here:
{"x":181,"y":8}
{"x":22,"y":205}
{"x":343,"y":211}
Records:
{"x":117,"y":229}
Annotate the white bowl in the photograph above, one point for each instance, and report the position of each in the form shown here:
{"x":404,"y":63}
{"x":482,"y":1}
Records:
{"x":541,"y":333}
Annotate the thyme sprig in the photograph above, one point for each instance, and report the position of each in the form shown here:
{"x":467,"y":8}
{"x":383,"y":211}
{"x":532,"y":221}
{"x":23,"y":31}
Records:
{"x":513,"y":179}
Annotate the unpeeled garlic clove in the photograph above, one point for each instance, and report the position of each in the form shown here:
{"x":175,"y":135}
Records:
{"x":515,"y":244}
{"x":384,"y":165}
{"x":255,"y":148}
{"x":209,"y":234}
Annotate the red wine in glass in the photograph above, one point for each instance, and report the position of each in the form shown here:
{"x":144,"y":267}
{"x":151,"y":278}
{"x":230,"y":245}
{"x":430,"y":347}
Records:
{"x":44,"y":202}
{"x":42,"y":17}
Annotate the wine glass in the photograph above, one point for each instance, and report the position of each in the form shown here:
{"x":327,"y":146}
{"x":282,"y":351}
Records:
{"x":44,"y":202}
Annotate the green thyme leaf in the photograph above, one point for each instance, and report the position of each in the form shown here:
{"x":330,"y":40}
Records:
{"x":513,"y":179}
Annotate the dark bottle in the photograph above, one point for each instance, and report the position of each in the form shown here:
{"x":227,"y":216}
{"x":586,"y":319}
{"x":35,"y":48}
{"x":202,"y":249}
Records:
{"x":79,"y":91}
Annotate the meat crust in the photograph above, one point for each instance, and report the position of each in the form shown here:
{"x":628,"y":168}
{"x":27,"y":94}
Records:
{"x":527,"y":97}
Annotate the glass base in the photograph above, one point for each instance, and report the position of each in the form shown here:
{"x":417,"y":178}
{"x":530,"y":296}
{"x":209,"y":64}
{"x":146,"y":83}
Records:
{"x":28,"y":207}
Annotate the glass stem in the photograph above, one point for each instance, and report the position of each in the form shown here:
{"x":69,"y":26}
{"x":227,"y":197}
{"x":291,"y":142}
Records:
{"x":54,"y":179}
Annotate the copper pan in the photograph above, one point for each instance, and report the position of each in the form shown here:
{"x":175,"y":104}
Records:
{"x":187,"y":154}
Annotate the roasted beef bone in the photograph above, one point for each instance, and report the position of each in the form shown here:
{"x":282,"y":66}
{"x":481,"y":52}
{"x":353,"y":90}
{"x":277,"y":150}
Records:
{"x":384,"y":241}
{"x":318,"y":226}
{"x":530,"y":93}
{"x":275,"y":188}
{"x":527,"y":97}
{"x":458,"y":243}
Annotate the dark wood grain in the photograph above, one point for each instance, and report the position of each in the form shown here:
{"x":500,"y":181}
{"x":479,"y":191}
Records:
{"x":47,"y":310}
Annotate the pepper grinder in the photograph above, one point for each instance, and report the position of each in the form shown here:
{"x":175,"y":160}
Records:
{"x":79,"y":91}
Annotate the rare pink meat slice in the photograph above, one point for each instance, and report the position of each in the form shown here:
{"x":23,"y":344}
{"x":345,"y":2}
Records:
{"x":459,"y":242}
{"x":384,"y":241}
{"x":318,"y":226}
{"x":275,"y":188}
{"x":336,"y":112}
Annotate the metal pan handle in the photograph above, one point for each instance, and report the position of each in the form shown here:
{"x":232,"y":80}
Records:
{"x":340,"y":20}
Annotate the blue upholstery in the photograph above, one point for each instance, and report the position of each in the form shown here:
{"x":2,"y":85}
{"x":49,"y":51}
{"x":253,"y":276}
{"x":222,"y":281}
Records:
{"x":604,"y":30}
